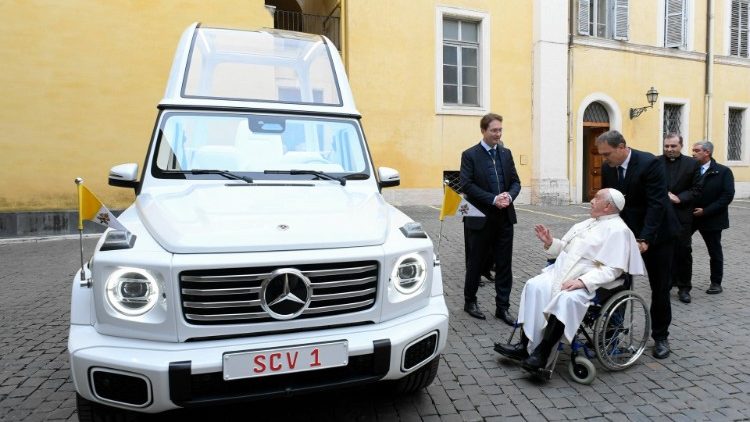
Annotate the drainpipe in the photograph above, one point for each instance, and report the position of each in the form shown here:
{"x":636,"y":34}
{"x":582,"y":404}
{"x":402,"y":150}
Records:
{"x":572,"y":193}
{"x":344,"y":32}
{"x":708,"y":98}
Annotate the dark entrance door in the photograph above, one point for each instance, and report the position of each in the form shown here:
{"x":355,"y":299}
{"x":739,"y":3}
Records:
{"x":595,"y":122}
{"x":592,"y":161}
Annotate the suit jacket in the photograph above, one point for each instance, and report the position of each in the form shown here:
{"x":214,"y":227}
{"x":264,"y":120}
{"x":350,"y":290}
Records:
{"x":648,"y":211}
{"x":718,"y":192}
{"x":475,"y":183}
{"x":684,"y":181}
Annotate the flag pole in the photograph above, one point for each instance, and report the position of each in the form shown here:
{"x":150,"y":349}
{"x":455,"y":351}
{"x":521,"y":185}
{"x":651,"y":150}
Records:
{"x":79,"y":184}
{"x":440,"y":233}
{"x":440,"y":237}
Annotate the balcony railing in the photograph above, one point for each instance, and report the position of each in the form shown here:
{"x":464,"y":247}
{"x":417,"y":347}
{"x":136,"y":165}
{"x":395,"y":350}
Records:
{"x":312,"y":24}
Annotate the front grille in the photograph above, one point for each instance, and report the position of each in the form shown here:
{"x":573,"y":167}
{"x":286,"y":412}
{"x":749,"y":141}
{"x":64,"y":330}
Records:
{"x":232,"y":296}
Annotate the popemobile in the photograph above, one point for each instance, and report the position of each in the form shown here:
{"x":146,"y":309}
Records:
{"x":259,"y":257}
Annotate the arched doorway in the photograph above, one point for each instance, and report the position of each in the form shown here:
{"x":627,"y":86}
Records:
{"x":595,"y":122}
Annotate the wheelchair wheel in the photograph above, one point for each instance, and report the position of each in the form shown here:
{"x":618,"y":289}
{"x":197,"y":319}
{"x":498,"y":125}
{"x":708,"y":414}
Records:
{"x":622,"y":330}
{"x":582,"y":370}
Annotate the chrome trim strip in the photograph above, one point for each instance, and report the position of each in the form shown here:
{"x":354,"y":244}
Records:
{"x":229,"y":304}
{"x":221,"y":292}
{"x":338,"y":307}
{"x":227,"y":317}
{"x":224,"y":278}
{"x":342,"y":295}
{"x":337,"y":271}
{"x":353,"y":282}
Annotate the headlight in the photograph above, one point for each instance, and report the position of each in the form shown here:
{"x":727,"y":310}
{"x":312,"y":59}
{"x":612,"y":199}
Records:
{"x":132,"y":291}
{"x":409,"y":273}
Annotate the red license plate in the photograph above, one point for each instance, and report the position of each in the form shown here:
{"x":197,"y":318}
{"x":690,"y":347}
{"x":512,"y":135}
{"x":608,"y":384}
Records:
{"x":283,"y":360}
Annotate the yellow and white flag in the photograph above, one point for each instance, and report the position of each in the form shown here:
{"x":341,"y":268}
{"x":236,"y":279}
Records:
{"x":91,"y":208}
{"x":455,"y":204}
{"x":451,"y":199}
{"x":465,"y":209}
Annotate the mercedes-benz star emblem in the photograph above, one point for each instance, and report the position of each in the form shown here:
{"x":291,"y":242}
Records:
{"x":285,"y":293}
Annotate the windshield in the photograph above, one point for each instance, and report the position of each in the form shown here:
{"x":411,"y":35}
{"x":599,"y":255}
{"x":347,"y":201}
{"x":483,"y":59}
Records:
{"x":267,"y":65}
{"x":253,"y":143}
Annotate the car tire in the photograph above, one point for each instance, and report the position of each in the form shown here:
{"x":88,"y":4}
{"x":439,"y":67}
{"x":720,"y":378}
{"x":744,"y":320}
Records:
{"x":89,"y":411}
{"x":418,"y":379}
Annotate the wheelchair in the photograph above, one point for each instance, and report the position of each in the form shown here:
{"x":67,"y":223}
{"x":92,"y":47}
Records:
{"x":616,"y":328}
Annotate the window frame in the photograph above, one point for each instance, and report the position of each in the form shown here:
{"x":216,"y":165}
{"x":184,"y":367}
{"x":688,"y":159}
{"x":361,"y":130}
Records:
{"x":745,"y":141}
{"x":684,"y":121}
{"x":728,"y":31}
{"x":688,"y":30}
{"x":483,"y":63}
{"x":612,"y":26}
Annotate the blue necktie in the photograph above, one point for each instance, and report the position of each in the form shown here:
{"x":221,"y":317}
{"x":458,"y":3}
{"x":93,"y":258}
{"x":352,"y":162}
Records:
{"x":620,"y":177}
{"x":493,"y":154}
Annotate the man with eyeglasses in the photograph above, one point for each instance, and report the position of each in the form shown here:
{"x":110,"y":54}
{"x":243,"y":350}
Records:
{"x":490,"y":182}
{"x":711,"y":214}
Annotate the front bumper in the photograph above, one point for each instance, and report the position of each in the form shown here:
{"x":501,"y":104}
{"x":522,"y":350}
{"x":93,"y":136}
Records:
{"x":188,"y":374}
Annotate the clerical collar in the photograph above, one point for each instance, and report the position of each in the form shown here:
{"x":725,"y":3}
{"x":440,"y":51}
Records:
{"x":675,"y":158}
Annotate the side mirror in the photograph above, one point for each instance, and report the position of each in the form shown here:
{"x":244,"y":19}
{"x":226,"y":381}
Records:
{"x":124,"y":175}
{"x":388,"y":177}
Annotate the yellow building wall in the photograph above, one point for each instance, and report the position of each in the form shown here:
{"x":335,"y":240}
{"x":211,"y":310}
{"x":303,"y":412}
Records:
{"x":644,"y":18}
{"x":625,"y":77}
{"x":391,"y":66}
{"x":79,"y":85}
{"x":730,"y":86}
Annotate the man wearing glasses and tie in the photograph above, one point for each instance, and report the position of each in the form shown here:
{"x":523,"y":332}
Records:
{"x":490,"y":182}
{"x":648,"y":213}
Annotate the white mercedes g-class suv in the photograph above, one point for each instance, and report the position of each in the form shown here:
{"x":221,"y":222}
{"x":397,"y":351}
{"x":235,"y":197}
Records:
{"x":260,"y":257}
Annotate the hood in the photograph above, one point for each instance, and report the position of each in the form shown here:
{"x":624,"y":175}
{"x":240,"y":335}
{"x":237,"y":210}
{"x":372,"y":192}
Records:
{"x":254,"y":218}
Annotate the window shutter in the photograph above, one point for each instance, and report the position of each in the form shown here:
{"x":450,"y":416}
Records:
{"x":734,"y":29}
{"x":742,"y":28}
{"x":584,"y":17}
{"x":674,"y":25}
{"x":621,"y":20}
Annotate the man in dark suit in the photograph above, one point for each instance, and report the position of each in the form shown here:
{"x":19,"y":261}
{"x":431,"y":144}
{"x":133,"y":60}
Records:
{"x":648,"y":213}
{"x":711,"y":214}
{"x":683,"y":188}
{"x":489,"y":180}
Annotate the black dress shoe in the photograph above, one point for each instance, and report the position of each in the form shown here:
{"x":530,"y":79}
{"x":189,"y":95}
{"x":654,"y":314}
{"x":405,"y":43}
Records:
{"x":488,"y":276}
{"x":684,"y":296}
{"x":661,"y":349}
{"x":504,"y":316}
{"x":514,"y":351}
{"x":714,"y":289}
{"x":534,"y":363}
{"x":473,"y":309}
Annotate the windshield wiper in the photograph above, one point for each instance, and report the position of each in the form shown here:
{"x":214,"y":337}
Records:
{"x":225,"y":173}
{"x":320,"y":174}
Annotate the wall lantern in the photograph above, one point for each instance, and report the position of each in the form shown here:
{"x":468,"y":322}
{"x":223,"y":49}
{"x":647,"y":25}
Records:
{"x":651,"y":96}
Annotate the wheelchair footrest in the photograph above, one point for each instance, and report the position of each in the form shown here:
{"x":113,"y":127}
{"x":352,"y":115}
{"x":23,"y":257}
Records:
{"x":542,"y":373}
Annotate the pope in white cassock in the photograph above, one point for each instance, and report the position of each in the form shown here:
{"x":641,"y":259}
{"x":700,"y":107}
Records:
{"x":592,"y":254}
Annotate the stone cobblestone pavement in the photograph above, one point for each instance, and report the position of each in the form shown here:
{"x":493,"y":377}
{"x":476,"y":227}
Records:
{"x":707,"y":377}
